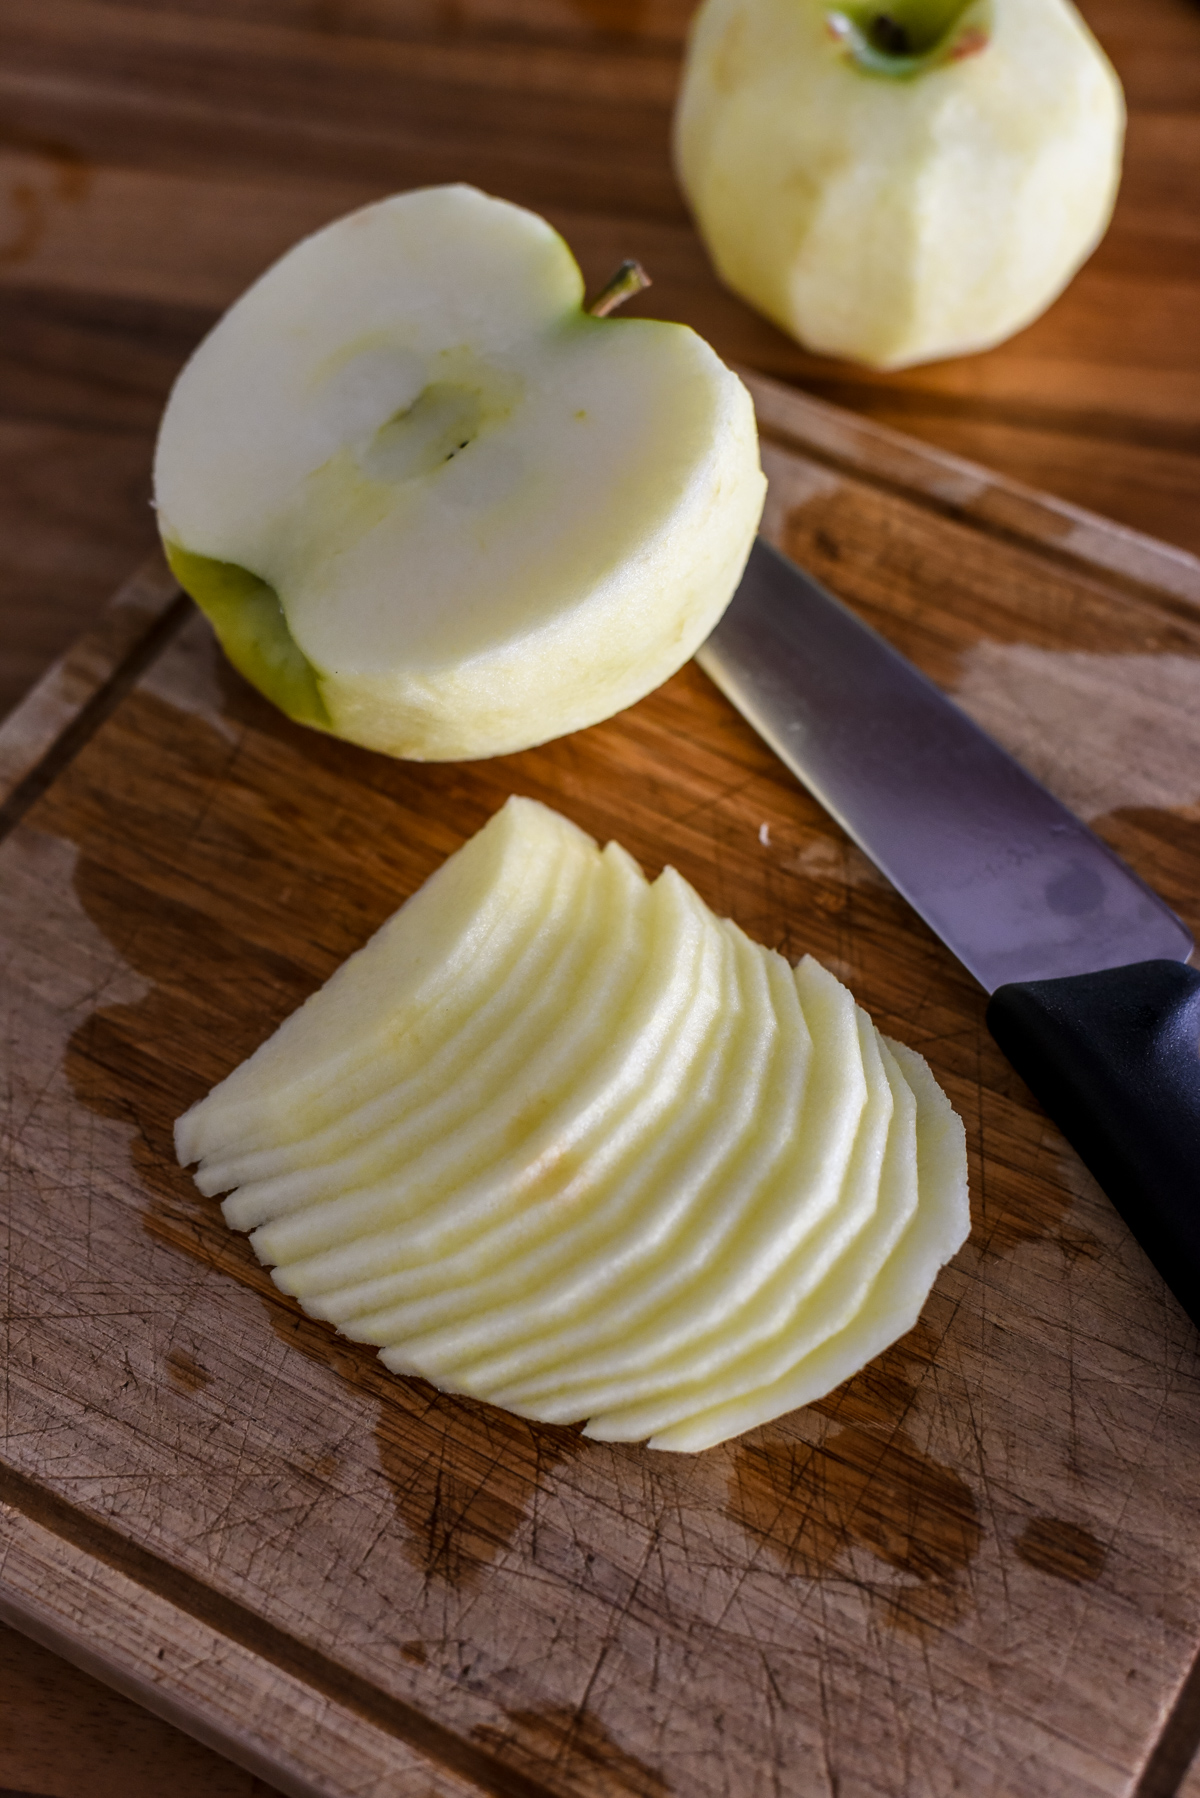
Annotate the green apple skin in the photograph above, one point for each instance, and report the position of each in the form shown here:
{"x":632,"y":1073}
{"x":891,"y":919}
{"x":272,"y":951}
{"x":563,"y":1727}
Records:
{"x":433,"y":506}
{"x":896,"y":221}
{"x":252,"y":630}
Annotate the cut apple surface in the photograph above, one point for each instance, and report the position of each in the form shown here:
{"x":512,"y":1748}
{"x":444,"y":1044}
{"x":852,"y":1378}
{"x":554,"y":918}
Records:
{"x":562,"y":1139}
{"x":432,"y":505}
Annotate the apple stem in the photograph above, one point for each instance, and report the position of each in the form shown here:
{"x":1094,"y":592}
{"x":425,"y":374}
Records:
{"x":629,"y":279}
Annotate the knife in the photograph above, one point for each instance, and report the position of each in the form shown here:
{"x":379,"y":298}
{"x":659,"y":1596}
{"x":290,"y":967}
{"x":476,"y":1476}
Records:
{"x":1091,"y":1000}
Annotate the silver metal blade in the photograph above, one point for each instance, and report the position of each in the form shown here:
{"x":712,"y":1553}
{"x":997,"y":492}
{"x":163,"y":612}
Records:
{"x":1009,"y":879}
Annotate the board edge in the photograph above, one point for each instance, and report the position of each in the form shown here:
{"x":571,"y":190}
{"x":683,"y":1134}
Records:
{"x":201,"y":1679}
{"x":79,"y":689}
{"x":970,"y":491}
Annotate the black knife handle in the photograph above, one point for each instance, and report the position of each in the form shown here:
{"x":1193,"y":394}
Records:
{"x":1115,"y":1059}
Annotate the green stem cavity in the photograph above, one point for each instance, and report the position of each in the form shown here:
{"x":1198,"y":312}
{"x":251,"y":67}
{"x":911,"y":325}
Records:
{"x":904,"y":38}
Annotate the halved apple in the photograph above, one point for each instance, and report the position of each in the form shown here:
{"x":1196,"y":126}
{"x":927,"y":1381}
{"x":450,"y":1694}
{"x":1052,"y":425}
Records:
{"x":432,"y":505}
{"x":562,"y":1139}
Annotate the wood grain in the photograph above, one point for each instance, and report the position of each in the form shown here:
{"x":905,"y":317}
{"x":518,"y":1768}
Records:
{"x":154,"y":156}
{"x":71,"y":1593}
{"x":972,"y":1568}
{"x":62,"y":1733}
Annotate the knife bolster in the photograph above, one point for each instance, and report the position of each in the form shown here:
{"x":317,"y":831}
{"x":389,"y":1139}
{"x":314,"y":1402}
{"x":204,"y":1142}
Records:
{"x":1114,"y":1058}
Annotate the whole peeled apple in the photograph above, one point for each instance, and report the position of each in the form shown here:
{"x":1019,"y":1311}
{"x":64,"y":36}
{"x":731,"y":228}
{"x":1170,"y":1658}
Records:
{"x":432,"y":505}
{"x":903,"y":184}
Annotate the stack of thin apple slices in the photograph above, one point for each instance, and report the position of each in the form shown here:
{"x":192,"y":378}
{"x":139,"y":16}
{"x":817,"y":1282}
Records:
{"x":562,"y":1139}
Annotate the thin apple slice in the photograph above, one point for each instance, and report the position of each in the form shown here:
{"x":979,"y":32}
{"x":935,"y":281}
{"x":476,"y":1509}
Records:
{"x":894,"y":1300}
{"x":480,"y":906}
{"x":410,"y":1092}
{"x":808,"y":1304}
{"x":637,"y":1190}
{"x":748,"y":1226}
{"x":418,"y":1193}
{"x":729,"y":1151}
{"x":559,"y":1103}
{"x":702,"y":1346}
{"x":433,"y":1119}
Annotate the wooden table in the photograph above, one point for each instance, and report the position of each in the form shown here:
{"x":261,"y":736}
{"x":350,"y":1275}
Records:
{"x":154,"y":157}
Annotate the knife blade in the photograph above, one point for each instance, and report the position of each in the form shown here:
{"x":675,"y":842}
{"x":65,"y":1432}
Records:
{"x":1091,"y":999}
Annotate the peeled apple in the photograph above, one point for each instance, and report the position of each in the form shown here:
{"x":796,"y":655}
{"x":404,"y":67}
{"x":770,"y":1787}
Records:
{"x":561,"y":1139}
{"x":894,"y":184}
{"x":432,"y":505}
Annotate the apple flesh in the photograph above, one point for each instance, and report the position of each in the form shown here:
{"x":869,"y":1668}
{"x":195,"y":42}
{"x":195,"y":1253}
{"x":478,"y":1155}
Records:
{"x":432,"y":505}
{"x":562,"y":1139}
{"x":894,"y":184}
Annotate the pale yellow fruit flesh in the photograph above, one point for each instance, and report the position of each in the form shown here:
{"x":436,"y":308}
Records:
{"x":424,"y":973}
{"x":562,"y":1139}
{"x":747,"y":1292}
{"x":767,"y":1205}
{"x":552,"y":1103}
{"x":808,"y":1304}
{"x":460,"y":1137}
{"x":668,"y":1177}
{"x":415,"y":1092}
{"x":893,"y":221}
{"x":581,"y":1241}
{"x":892,"y":1303}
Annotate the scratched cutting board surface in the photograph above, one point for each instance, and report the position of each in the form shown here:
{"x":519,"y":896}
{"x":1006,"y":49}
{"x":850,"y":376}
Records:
{"x":974,"y":1568}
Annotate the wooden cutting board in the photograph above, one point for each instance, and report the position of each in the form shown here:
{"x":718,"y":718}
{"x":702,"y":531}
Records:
{"x":974,"y":1568}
